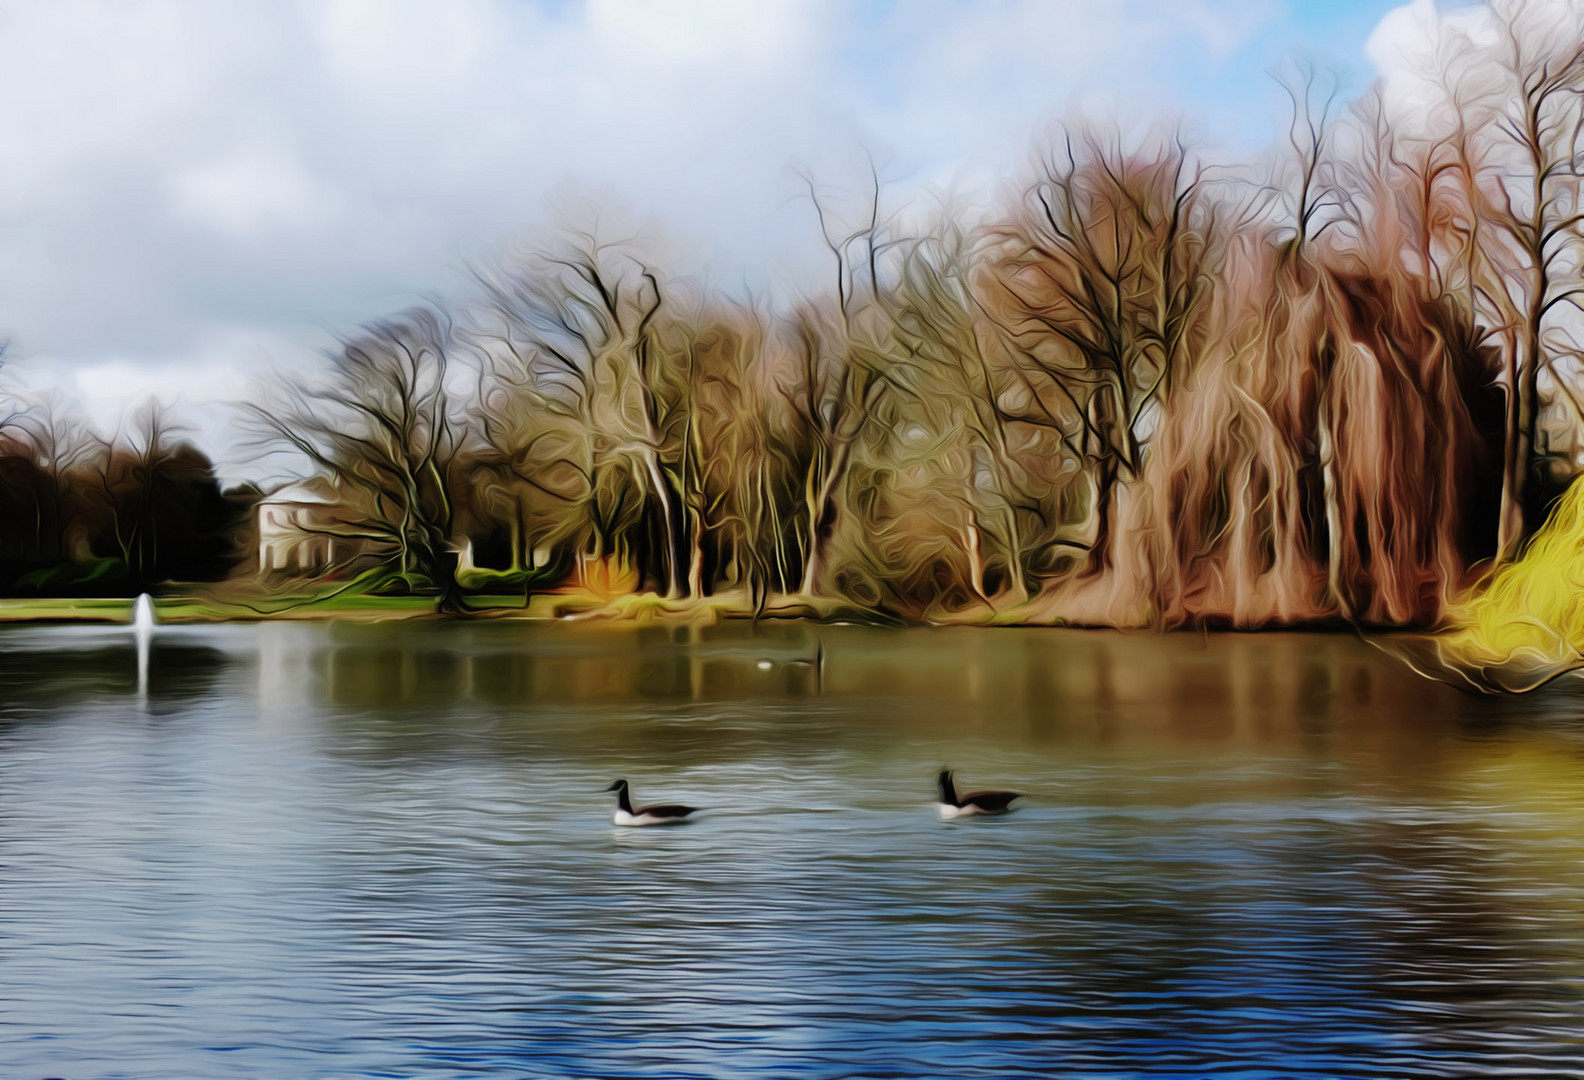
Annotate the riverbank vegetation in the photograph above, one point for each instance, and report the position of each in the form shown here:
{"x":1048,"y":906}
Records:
{"x":1524,"y":625}
{"x":1145,"y":389}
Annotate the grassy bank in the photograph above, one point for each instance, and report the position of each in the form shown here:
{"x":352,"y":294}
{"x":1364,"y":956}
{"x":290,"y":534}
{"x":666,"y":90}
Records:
{"x":244,"y":606}
{"x":201,"y":609}
{"x":59,"y":609}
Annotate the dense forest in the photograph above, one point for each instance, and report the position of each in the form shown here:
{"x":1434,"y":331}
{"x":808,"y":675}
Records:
{"x":1146,"y":389}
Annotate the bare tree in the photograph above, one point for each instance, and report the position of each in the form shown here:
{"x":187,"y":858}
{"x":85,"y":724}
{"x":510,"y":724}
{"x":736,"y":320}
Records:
{"x":843,"y":361}
{"x":1101,"y":284}
{"x":59,"y":439}
{"x":716,"y":437}
{"x":1536,"y":206}
{"x":959,"y":393}
{"x":380,"y":426}
{"x":1314,"y":194}
{"x":570,"y":333}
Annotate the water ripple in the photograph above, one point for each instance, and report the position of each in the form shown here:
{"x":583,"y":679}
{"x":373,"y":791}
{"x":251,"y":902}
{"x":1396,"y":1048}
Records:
{"x":278,"y":865}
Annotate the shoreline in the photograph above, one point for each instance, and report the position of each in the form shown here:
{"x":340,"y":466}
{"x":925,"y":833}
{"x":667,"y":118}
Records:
{"x":576,"y":606}
{"x":1420,"y":649}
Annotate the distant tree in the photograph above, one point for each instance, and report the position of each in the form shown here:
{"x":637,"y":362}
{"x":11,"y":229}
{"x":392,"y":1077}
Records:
{"x":152,"y":502}
{"x":59,"y":440}
{"x":844,"y":353}
{"x":575,"y":398}
{"x":962,"y":395}
{"x":380,"y":426}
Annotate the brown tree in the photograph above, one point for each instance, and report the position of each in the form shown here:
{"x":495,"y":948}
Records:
{"x":1101,"y":280}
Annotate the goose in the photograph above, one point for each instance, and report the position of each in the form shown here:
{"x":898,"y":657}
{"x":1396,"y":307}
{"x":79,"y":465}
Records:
{"x":644,"y":815}
{"x":953,"y":805}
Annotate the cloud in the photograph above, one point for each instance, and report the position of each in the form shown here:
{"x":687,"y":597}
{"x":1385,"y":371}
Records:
{"x":187,"y":175}
{"x":692,"y":32}
{"x":1422,"y":48}
{"x":1411,"y":48}
{"x":254,"y":191}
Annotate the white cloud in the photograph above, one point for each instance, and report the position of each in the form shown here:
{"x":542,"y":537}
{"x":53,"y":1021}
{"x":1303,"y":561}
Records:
{"x":107,"y":387}
{"x":1422,"y":48}
{"x":688,"y":32}
{"x":1410,"y":48}
{"x":199,"y":387}
{"x":253,"y":191}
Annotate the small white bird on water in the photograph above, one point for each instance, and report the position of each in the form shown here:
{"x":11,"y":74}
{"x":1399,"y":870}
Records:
{"x":816,"y":663}
{"x":670,"y":814}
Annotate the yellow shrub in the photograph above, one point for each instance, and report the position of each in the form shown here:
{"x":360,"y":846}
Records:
{"x":1525,"y":623}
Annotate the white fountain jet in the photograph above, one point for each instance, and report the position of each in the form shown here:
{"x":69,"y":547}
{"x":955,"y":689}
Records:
{"x":143,"y":627}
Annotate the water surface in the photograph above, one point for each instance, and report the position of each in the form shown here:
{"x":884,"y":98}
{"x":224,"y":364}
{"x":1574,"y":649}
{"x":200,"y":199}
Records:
{"x":382,"y":851}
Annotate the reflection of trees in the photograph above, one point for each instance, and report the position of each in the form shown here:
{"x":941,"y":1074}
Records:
{"x":1234,"y":696}
{"x":397,"y":671}
{"x":1369,"y":931}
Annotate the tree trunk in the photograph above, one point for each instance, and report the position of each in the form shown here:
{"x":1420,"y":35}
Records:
{"x":777,"y":536}
{"x":1015,"y":579}
{"x":696,"y":557}
{"x":439,"y":565}
{"x":820,"y":520}
{"x":1333,"y":509}
{"x":1105,"y":497}
{"x":594,"y":554}
{"x":450,"y":602}
{"x":975,"y":560}
{"x":653,"y":468}
{"x":516,"y":538}
{"x":1515,"y":460}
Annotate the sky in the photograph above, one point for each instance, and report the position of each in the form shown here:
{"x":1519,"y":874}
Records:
{"x":198,"y":193}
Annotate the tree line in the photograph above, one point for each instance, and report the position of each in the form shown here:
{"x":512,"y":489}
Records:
{"x":1145,"y":390}
{"x":83,"y":513}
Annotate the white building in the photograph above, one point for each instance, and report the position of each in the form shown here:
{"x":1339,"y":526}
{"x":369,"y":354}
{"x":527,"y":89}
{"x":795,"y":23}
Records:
{"x":293,"y":525}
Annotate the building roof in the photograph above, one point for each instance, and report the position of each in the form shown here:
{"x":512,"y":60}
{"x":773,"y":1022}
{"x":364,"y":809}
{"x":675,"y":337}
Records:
{"x":314,"y":491}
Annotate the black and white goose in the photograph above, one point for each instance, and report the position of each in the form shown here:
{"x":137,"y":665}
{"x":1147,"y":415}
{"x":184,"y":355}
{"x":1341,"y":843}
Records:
{"x":645,"y":815}
{"x":953,"y":805}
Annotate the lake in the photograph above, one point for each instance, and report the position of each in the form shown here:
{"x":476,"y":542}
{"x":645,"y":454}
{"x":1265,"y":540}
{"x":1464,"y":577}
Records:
{"x":339,"y":850}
